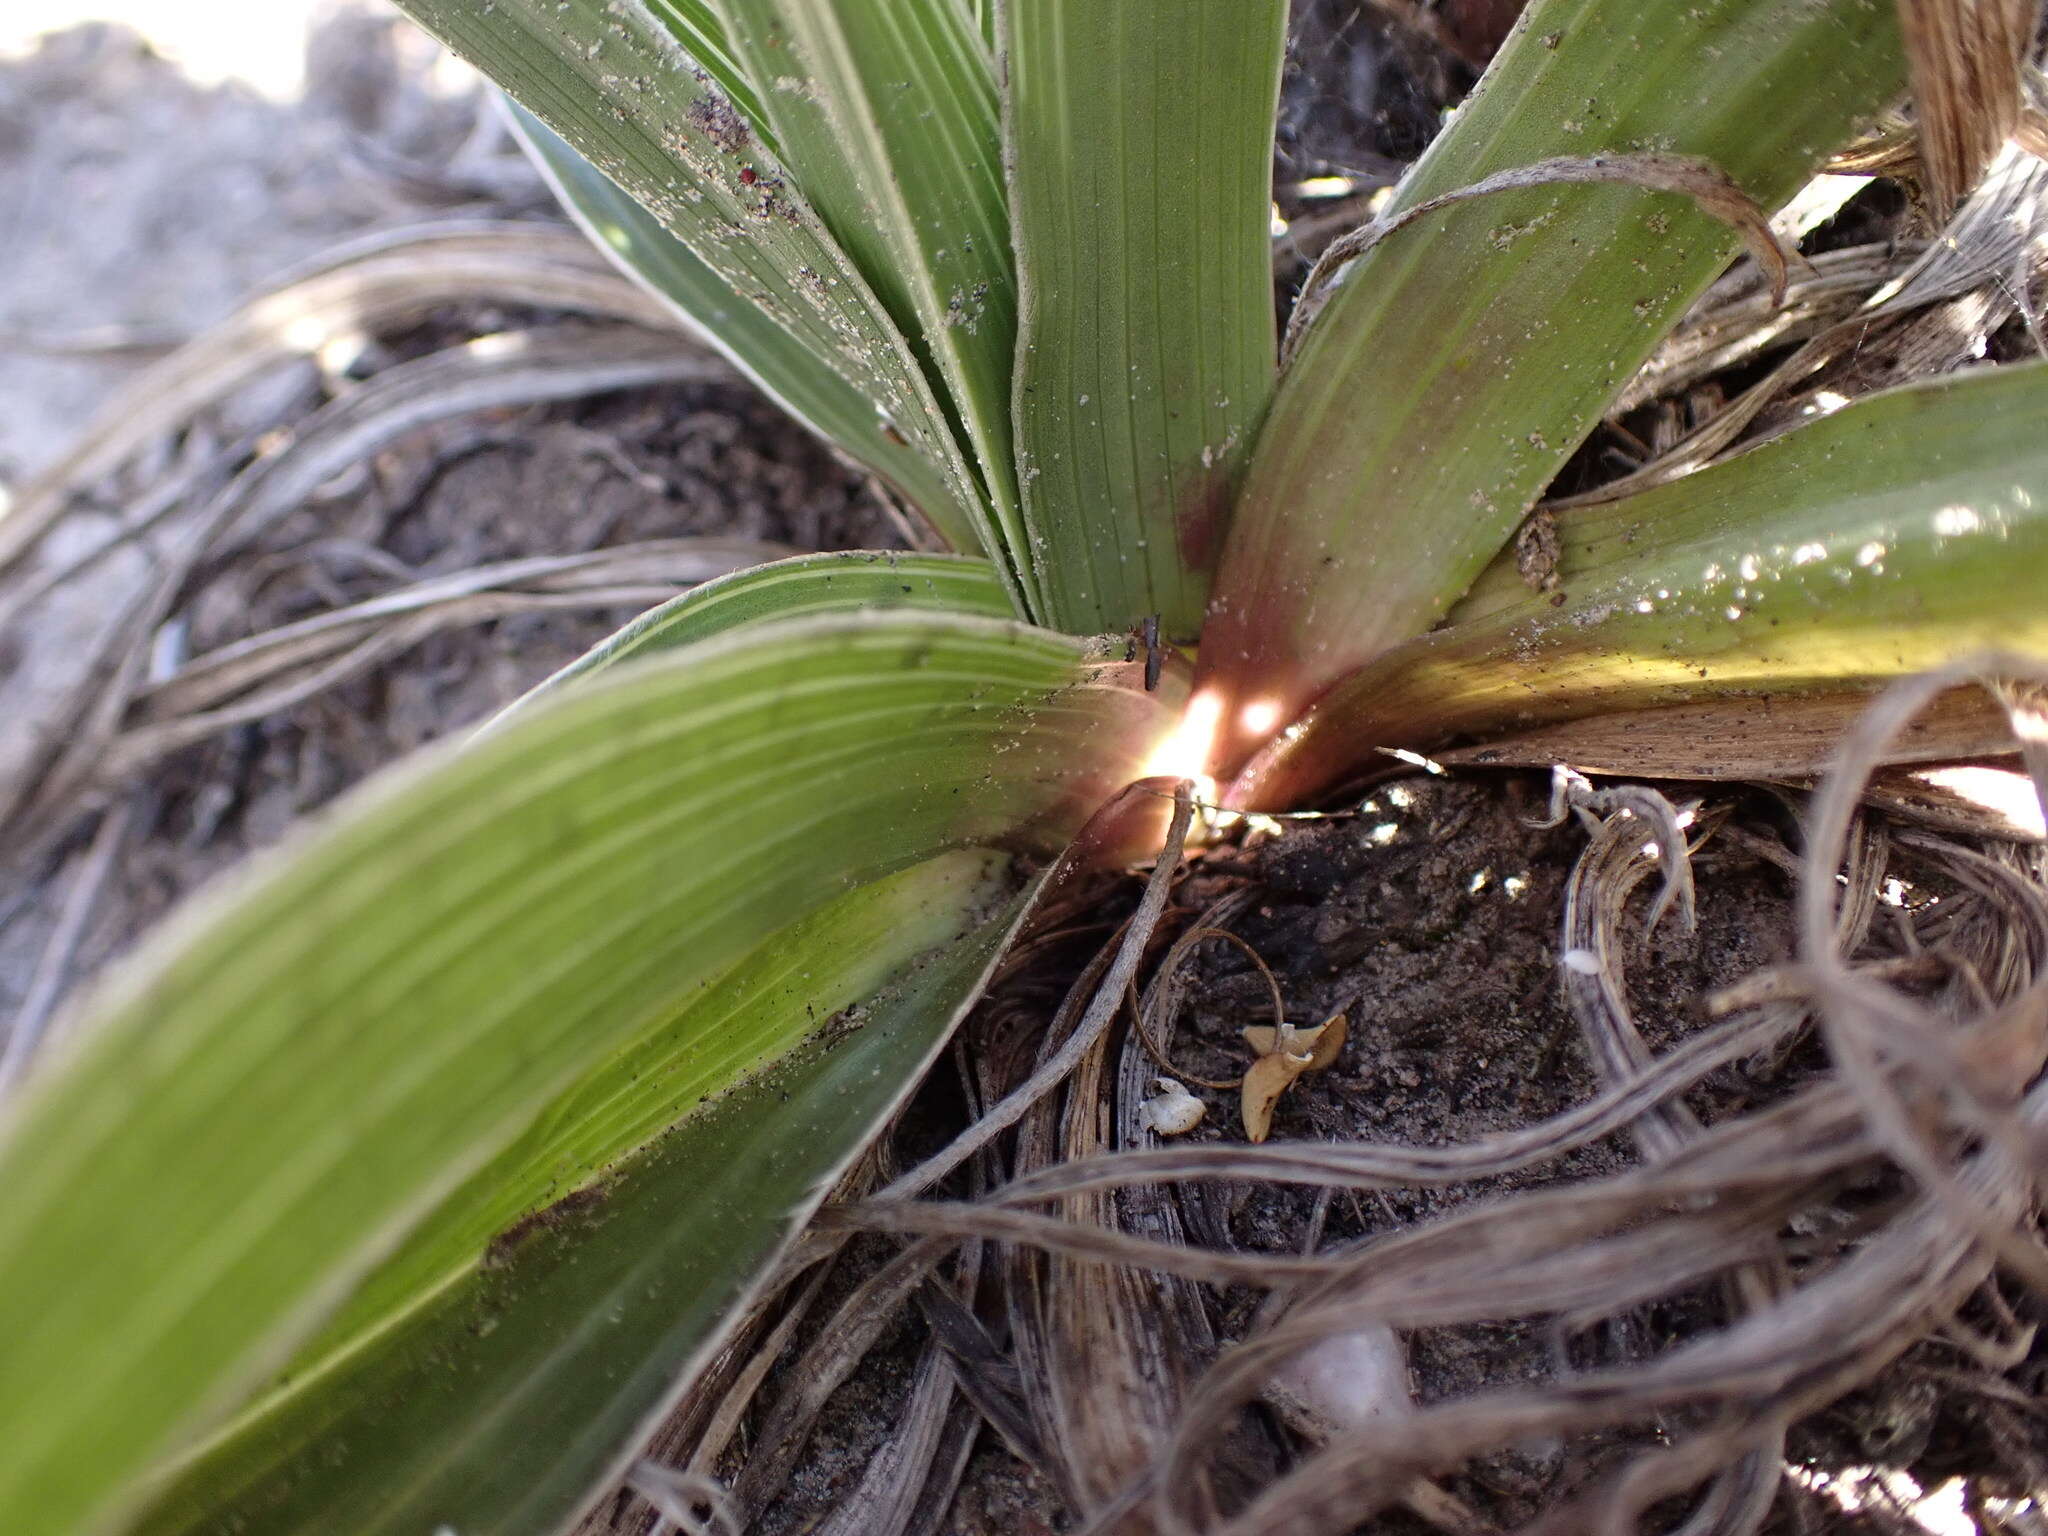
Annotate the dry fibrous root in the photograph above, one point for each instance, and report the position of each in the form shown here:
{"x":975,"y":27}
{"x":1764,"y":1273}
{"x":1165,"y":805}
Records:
{"x":692,"y":1504}
{"x":1923,"y":310}
{"x":1890,"y":1185}
{"x":769,"y":1389}
{"x":118,"y":563}
{"x":227,"y":484}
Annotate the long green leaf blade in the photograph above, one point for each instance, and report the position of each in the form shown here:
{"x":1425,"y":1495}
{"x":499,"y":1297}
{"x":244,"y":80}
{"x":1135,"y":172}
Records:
{"x":614,"y":83}
{"x":1459,"y":363}
{"x":1901,"y":532}
{"x":300,"y":1071}
{"x":509,"y":1393}
{"x":775,"y":358}
{"x":886,"y":113}
{"x":836,"y":581}
{"x":755,"y":1014}
{"x":1140,"y":144}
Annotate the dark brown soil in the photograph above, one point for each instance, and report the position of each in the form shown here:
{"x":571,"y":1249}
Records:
{"x":1431,"y":917}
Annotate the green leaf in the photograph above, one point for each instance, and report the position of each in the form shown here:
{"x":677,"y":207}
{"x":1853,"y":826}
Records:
{"x":886,"y":113}
{"x":512,"y":1391}
{"x":1140,"y":139}
{"x":778,"y":360}
{"x":837,"y":581}
{"x":297,"y":1073}
{"x":614,"y":83}
{"x":982,"y":13}
{"x":1901,"y":532}
{"x":1459,"y":363}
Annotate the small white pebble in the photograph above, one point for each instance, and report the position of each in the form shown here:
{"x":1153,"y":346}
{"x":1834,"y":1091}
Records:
{"x":1173,"y":1111}
{"x":1583,"y":961}
{"x":1350,"y":1380}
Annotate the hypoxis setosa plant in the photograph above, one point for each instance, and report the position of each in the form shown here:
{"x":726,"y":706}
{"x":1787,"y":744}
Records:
{"x":402,"y":1184}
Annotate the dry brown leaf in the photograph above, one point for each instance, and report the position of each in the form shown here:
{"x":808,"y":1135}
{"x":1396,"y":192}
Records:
{"x":1787,"y":736}
{"x":1320,"y":1044}
{"x":1284,"y":1054}
{"x":2031,"y":132}
{"x":1264,"y":1081}
{"x":1966,"y":57}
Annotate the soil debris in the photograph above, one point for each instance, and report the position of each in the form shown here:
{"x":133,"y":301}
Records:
{"x":1538,"y":549}
{"x":573,"y":1209}
{"x":713,"y":116}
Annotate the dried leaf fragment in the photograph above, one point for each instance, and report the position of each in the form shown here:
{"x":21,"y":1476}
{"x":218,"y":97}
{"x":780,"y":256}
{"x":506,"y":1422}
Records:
{"x":1284,"y":1054}
{"x":1966,"y":58}
{"x":1538,"y":549}
{"x":1320,"y":1044}
{"x":1264,"y":1082}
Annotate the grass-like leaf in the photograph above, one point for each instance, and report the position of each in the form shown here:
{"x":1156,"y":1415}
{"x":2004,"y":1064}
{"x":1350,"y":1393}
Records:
{"x":778,"y":360}
{"x":886,"y":114}
{"x":1456,"y":366}
{"x":616,"y":85}
{"x":1896,"y":534}
{"x":303,"y":1068}
{"x":512,"y":1375}
{"x":1140,"y":144}
{"x":836,"y":581}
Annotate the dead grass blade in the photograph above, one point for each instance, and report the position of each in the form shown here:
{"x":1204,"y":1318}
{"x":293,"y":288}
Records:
{"x":1933,"y":317}
{"x":1797,"y":1353}
{"x":1388,"y":1166}
{"x":355,"y":288}
{"x":1815,"y":1143}
{"x":695,"y":1506}
{"x":1866,"y":1023}
{"x":624,"y":573}
{"x":1744,"y":740}
{"x":490,"y":373}
{"x":95,"y":681}
{"x":1108,"y":1382}
{"x":52,"y":975}
{"x":1116,"y":1348}
{"x":1157,"y":1013}
{"x":987,"y":1377}
{"x":1615,"y":861}
{"x":1909,"y":1166}
{"x":893,"y":1486}
{"x":1737,"y":319}
{"x":828,"y":1361}
{"x":1966,"y":57}
{"x":1945,"y":770}
{"x":1624,"y":849}
{"x":1109,"y":985}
